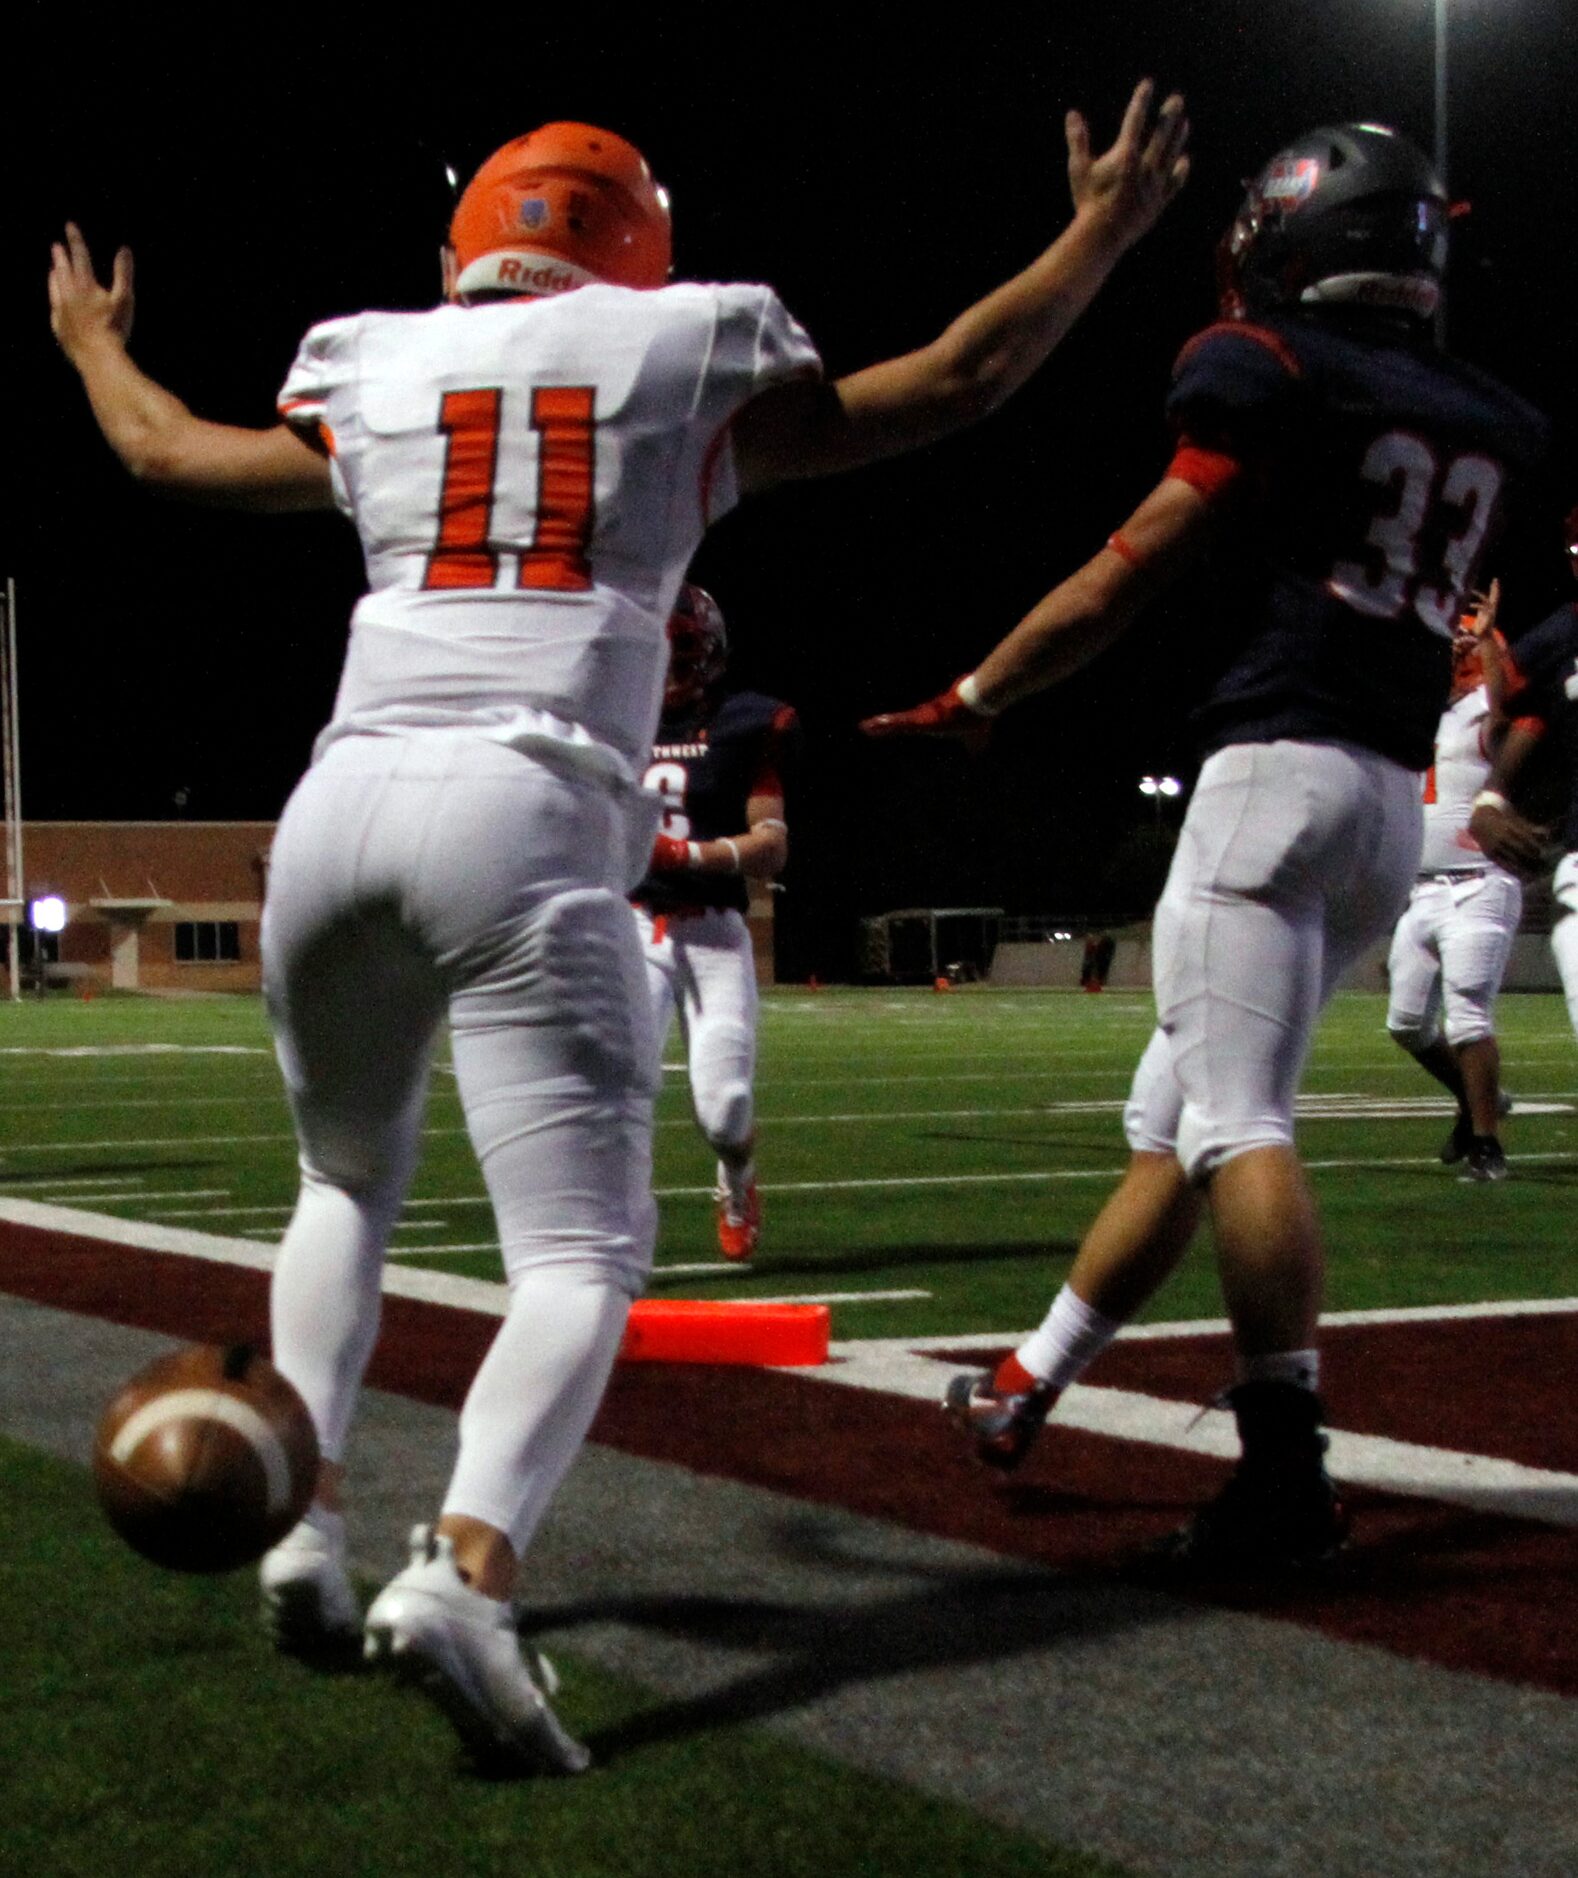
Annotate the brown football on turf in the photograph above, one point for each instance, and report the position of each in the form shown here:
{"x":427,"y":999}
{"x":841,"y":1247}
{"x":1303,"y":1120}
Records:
{"x":205,"y":1459}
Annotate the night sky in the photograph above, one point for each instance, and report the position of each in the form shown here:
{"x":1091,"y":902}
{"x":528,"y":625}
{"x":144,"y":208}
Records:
{"x":880,"y":173}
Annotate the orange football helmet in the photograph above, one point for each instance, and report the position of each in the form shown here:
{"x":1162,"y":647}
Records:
{"x":565,"y":205}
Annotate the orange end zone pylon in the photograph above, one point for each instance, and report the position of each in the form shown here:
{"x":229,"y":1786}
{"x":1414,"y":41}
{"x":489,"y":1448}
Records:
{"x":672,"y":1330}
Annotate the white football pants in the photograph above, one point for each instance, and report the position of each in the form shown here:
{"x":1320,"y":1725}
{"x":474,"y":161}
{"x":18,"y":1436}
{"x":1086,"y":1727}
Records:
{"x":1293,"y":858}
{"x":1564,"y":934}
{"x":701,"y":966}
{"x":435,"y":874}
{"x":1449,"y":954}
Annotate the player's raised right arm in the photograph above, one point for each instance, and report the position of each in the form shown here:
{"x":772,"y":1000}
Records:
{"x":153,"y":433}
{"x":988,"y":352}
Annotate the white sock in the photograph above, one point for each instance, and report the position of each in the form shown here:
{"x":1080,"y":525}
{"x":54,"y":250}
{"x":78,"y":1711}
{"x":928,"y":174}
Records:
{"x":1072,"y":1335}
{"x":1296,"y":1366}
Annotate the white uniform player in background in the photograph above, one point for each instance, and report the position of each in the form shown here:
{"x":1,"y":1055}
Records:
{"x":1451,"y":946}
{"x":530,"y":468}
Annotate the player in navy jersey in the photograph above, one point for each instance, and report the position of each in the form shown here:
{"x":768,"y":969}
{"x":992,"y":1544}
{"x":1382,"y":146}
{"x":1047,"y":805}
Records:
{"x":718,"y":763}
{"x":1542,"y":688}
{"x":1340,"y":479}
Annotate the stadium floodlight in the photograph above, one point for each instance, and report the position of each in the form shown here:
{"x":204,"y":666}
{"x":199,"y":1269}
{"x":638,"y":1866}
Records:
{"x":47,"y":913}
{"x":1156,"y":787}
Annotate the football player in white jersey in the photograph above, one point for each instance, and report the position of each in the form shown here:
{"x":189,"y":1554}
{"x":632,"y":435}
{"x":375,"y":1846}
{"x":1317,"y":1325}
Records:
{"x":1451,"y":946}
{"x":530,"y":467}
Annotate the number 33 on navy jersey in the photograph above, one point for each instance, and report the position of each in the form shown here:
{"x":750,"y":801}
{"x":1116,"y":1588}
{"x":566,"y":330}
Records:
{"x":1376,"y":474}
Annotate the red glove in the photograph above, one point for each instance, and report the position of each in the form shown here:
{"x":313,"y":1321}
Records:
{"x":669,"y":856}
{"x":946,"y":715}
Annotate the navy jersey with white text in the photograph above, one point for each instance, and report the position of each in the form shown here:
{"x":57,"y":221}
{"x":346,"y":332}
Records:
{"x":1375,"y":475}
{"x":706,"y":767}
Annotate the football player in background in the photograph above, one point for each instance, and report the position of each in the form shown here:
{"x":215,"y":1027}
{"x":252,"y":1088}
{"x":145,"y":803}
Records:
{"x":1344,"y":477}
{"x":1542,"y":689}
{"x":1450,"y":950}
{"x":530,"y":467}
{"x":718,"y":763}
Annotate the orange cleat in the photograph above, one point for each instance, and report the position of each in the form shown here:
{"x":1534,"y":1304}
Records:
{"x":738,"y":1233}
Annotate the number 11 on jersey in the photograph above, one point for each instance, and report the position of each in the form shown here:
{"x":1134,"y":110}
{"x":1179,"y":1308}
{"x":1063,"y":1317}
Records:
{"x":465,"y":554}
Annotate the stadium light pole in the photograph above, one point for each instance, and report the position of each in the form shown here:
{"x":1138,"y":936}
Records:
{"x":1441,"y":7}
{"x":11,"y":766}
{"x":1156,"y":787}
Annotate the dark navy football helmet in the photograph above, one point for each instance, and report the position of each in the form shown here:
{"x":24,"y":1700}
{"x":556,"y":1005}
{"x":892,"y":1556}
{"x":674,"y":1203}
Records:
{"x":1351,"y":215}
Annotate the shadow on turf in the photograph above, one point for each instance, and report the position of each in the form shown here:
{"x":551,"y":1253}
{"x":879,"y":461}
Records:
{"x":70,"y":1170}
{"x":934,"y":1620}
{"x":885,"y":1258}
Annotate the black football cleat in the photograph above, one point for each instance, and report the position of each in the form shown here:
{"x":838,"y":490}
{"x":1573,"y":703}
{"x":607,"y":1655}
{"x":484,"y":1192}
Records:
{"x":1455,"y":1147}
{"x":1279,"y":1514}
{"x":1003,"y":1427}
{"x":1485,"y":1160}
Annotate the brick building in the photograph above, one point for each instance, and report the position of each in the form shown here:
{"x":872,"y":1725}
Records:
{"x":158,"y":906}
{"x":153,"y":905}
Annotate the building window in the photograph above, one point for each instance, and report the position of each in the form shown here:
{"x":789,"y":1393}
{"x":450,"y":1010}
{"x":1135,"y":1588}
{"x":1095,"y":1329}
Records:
{"x":207,"y":941}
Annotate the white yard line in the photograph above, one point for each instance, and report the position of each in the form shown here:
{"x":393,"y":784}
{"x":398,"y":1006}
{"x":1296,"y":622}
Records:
{"x":1310,"y":1108}
{"x":68,"y":1186}
{"x":846,"y":1297}
{"x":144,"y":1197}
{"x":136,"y":1049}
{"x":446,"y":1251}
{"x":1045,"y":1175}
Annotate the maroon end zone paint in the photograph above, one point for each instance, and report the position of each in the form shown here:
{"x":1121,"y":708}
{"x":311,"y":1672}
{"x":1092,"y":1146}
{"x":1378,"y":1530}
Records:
{"x":1465,"y":1590}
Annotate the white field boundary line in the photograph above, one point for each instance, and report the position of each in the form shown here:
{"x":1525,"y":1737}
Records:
{"x":488,"y":1295}
{"x":1475,"y":1481}
{"x":995,"y":1340}
{"x":470,"y":1294}
{"x":895,"y":1368}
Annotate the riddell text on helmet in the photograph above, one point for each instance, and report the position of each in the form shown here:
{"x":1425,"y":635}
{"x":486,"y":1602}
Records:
{"x":523,"y":270}
{"x":544,"y":276}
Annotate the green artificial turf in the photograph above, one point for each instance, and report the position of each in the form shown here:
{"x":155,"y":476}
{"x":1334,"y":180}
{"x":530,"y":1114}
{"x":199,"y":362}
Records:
{"x":955,"y":1146}
{"x":147,"y":1732}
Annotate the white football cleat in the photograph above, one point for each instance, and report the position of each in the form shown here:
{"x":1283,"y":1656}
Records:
{"x":461,"y":1649}
{"x":310,"y":1607}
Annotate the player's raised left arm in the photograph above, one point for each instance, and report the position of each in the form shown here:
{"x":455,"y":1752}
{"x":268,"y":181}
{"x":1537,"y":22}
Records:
{"x":153,"y":433}
{"x":988,"y":352}
{"x":1078,"y":619}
